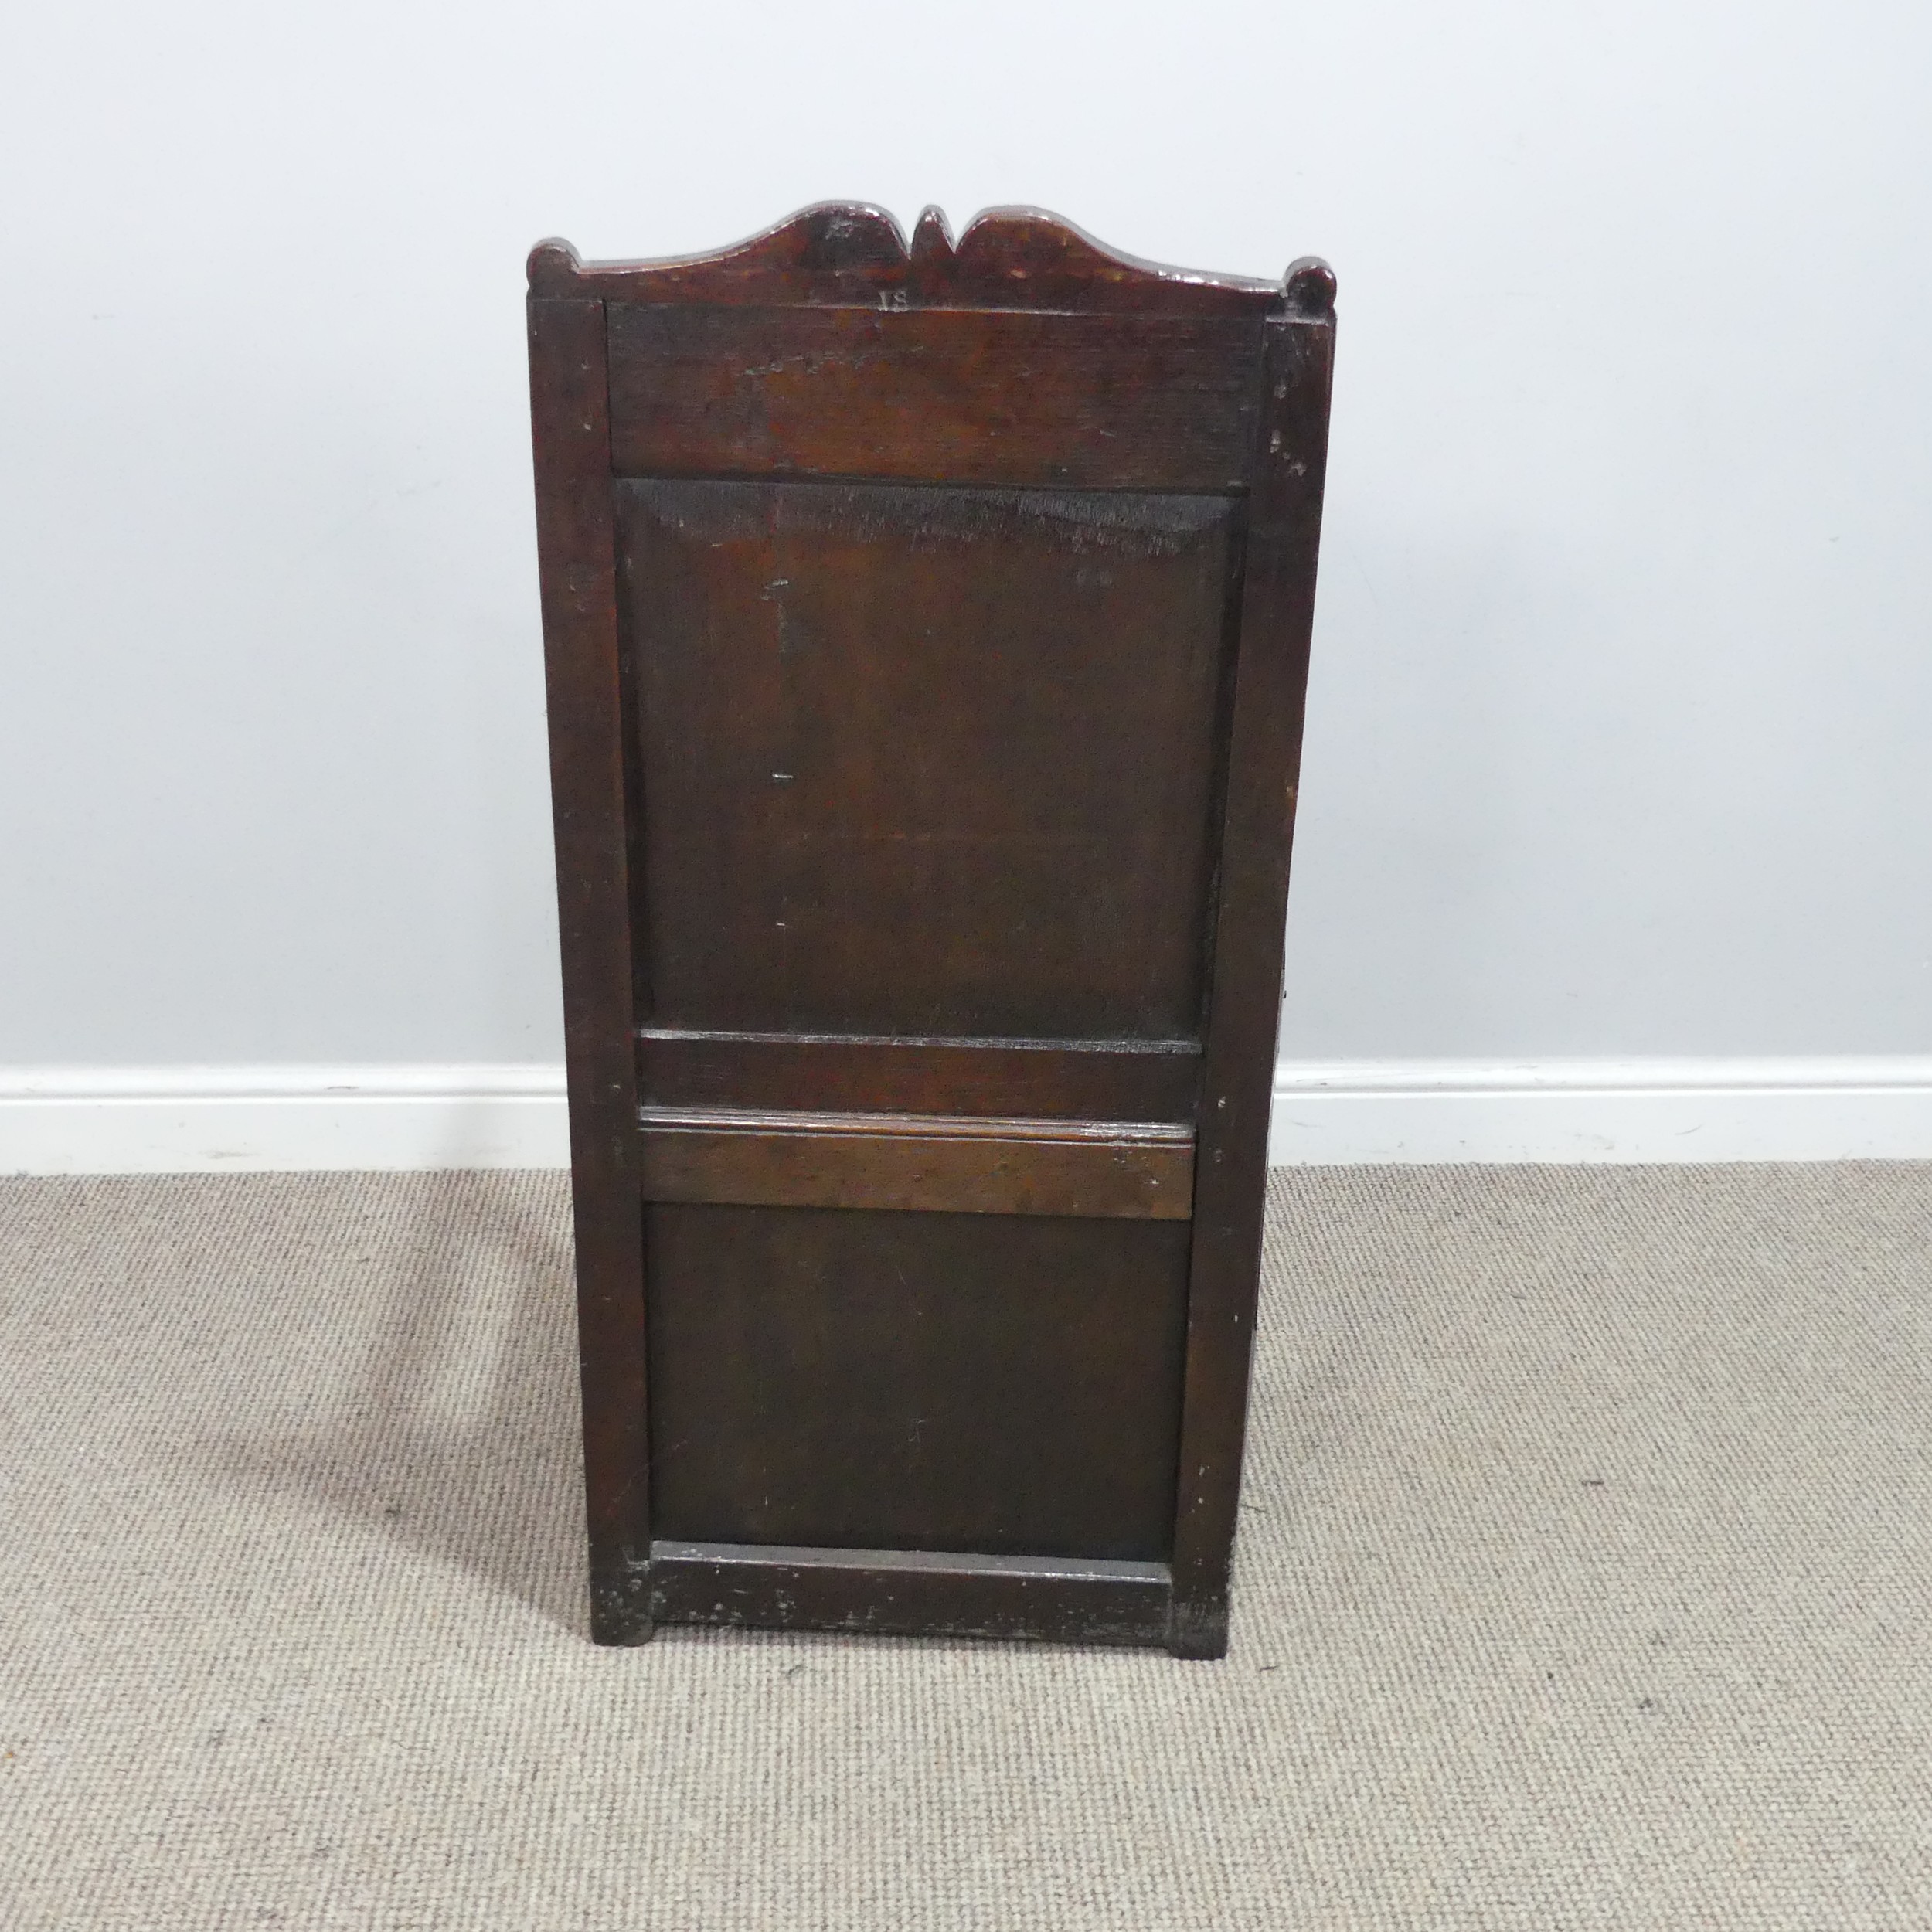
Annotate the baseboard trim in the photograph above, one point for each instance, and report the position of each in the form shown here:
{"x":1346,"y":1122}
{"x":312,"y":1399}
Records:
{"x":266,"y":1119}
{"x":200,"y":1120}
{"x":1357,"y":1113}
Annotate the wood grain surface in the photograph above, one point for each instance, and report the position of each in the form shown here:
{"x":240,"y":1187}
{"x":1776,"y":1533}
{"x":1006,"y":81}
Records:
{"x":921,"y":761}
{"x":916,"y":1381}
{"x":1145,"y":1080}
{"x":934,"y":1163}
{"x":1095,"y":402}
{"x":927,"y":626}
{"x":591,"y":789}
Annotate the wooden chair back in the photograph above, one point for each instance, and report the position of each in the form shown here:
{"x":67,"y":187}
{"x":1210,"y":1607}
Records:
{"x":927,"y":628}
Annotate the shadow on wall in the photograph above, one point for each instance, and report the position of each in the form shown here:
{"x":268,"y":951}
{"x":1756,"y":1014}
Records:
{"x":453,"y":1427}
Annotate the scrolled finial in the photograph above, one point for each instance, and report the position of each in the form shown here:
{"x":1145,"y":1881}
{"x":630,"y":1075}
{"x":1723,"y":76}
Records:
{"x":1309,"y":285}
{"x":554,"y":264}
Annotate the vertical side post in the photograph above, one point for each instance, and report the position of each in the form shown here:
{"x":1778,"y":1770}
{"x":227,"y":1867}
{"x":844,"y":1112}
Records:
{"x":1271,"y":668}
{"x":570,"y":401}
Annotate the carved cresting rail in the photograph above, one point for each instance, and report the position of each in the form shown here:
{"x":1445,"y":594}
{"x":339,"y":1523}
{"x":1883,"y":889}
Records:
{"x":927,"y":628}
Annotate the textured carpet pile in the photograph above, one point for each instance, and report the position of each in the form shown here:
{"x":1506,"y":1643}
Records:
{"x":1585,"y":1581}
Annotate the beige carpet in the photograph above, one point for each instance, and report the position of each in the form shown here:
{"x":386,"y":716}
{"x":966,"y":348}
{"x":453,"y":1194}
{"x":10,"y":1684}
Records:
{"x":1586,"y":1581}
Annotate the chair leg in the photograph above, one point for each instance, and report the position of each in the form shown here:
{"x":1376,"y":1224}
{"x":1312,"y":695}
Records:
{"x":620,"y":1606}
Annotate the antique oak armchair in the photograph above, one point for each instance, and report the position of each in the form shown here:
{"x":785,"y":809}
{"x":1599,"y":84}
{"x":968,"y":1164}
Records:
{"x":926,"y":630}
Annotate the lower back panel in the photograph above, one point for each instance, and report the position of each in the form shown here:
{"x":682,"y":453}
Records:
{"x":879,"y":1380}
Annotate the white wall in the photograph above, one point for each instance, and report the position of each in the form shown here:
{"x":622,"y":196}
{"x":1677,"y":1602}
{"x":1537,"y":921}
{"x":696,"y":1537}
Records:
{"x":1618,"y":738}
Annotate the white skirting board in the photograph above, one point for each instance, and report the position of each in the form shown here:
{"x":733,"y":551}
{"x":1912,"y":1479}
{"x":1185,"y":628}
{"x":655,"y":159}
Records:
{"x":266,"y":1119}
{"x":253,"y":1120}
{"x":1357,"y":1113}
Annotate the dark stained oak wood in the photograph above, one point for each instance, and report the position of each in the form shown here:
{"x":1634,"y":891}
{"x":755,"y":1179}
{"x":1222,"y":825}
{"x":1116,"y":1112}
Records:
{"x":910,"y":1592}
{"x":927,"y":629}
{"x":571,"y":436}
{"x":919,"y":761}
{"x":1277,"y":620}
{"x":1055,"y":1079}
{"x":919,"y":1162}
{"x":1092,"y":402}
{"x":896,"y":1381}
{"x":843,"y":255}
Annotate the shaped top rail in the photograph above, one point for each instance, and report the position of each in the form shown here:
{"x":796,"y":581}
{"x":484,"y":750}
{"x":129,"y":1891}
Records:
{"x":846,"y":254}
